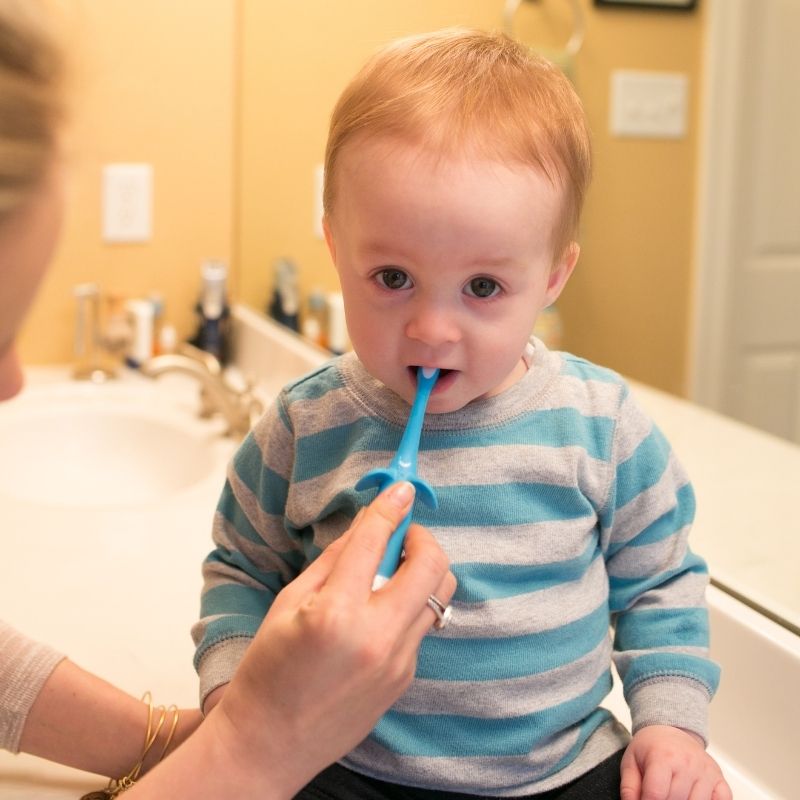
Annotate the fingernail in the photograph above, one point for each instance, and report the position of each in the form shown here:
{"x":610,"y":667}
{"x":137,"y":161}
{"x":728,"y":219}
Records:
{"x":400,"y":494}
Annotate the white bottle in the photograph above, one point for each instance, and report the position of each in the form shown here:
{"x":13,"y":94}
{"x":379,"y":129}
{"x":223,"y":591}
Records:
{"x":338,"y":340}
{"x":142,"y":316}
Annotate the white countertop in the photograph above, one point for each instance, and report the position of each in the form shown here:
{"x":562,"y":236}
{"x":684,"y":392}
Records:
{"x":747,"y":483}
{"x":118,"y":589}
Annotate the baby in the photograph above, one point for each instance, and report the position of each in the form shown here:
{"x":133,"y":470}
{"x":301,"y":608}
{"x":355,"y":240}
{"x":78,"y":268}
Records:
{"x":456,"y":167}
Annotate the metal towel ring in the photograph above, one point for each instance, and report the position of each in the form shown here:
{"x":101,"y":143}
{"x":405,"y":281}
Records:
{"x":575,"y":41}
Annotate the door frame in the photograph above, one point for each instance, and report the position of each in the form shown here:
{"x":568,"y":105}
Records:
{"x":720,"y":143}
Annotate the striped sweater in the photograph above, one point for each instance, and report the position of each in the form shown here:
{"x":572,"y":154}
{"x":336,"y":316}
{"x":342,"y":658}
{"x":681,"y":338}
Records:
{"x":565,"y":517}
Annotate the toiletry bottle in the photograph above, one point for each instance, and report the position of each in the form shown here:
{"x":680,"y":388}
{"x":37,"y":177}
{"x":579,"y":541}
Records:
{"x":338,"y":339}
{"x":315,"y":320}
{"x":141,"y":316}
{"x":285,"y":305}
{"x":212,"y":308}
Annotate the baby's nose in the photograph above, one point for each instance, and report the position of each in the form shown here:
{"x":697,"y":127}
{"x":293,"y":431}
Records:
{"x":434,"y":326}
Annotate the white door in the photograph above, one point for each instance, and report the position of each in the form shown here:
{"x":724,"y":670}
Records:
{"x":747,"y":344}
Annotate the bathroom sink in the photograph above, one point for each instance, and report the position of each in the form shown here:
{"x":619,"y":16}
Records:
{"x":119,"y":444}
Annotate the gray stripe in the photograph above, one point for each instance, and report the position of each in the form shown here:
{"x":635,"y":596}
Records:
{"x":637,"y":429}
{"x":650,"y":559}
{"x":685,"y":591}
{"x":315,"y":416}
{"x":275,"y":443}
{"x":503,"y":464}
{"x":507,"y":698}
{"x":226,"y":536}
{"x":590,"y":398}
{"x":529,"y":544}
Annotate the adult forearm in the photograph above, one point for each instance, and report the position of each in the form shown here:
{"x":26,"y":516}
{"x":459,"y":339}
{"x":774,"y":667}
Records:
{"x":82,"y":721}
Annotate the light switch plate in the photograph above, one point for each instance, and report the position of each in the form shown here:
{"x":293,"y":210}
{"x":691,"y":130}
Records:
{"x":648,"y":104}
{"x":127,"y":202}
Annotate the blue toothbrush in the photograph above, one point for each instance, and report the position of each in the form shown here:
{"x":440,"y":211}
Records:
{"x":404,"y":468}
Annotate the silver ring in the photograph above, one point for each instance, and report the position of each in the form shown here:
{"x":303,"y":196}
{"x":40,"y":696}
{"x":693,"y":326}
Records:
{"x":443,"y":613}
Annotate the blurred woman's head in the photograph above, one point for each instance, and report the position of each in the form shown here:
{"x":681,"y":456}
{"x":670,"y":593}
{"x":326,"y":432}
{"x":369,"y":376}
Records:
{"x":31,"y":109}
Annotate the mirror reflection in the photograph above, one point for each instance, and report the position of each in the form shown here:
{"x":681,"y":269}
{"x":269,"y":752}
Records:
{"x":687,"y":280}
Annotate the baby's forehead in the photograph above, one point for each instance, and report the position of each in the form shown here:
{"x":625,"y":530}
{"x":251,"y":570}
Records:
{"x":437,"y":155}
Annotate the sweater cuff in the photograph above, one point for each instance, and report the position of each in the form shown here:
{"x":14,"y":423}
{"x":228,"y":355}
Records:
{"x":669,"y":701}
{"x":25,"y":667}
{"x":219,"y":662}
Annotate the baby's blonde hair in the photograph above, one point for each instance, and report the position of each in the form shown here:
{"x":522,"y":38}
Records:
{"x":459,"y":89}
{"x":31,"y":75}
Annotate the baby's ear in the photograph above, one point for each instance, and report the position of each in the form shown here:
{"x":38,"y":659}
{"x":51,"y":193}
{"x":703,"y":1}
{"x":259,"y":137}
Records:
{"x":326,"y":229}
{"x":561,"y":271}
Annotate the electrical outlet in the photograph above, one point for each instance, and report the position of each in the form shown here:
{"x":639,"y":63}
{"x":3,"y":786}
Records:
{"x":648,"y":104}
{"x":127,"y":202}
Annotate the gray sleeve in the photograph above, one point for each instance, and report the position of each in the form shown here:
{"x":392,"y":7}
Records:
{"x":25,"y":666}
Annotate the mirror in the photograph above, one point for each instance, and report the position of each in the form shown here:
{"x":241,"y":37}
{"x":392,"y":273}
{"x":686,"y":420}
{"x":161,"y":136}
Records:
{"x":635,"y":303}
{"x":231,"y":107}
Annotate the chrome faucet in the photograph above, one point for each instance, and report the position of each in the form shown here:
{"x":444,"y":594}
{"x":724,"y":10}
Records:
{"x":239,"y":408}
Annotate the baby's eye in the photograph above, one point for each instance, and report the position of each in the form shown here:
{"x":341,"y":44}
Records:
{"x":393,"y":278}
{"x":482,"y":287}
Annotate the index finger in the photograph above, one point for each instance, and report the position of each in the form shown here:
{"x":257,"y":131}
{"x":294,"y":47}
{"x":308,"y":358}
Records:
{"x":358,"y":562}
{"x":420,"y":574}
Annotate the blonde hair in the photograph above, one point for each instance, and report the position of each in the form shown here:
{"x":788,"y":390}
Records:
{"x":459,"y":88}
{"x":31,"y":77}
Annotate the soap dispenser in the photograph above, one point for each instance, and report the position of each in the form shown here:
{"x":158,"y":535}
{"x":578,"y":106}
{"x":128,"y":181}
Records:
{"x":212,"y":309}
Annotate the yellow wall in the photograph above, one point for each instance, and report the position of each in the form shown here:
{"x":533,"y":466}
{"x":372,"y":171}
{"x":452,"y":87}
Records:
{"x":230,"y":104}
{"x":153,"y":82}
{"x":628,"y":304}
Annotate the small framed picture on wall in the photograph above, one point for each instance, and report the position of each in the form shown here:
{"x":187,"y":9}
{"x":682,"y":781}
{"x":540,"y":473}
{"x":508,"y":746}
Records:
{"x":677,"y":5}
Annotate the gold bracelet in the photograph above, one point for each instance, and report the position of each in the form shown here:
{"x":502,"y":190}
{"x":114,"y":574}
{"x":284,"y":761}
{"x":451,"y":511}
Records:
{"x":118,"y":785}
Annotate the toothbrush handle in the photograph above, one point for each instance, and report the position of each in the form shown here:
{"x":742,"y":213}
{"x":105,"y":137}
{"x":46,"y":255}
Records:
{"x":391,"y":558}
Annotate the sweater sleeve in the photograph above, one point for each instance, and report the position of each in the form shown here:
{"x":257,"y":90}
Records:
{"x":254,"y":557}
{"x":656,"y":583}
{"x":25,"y":666}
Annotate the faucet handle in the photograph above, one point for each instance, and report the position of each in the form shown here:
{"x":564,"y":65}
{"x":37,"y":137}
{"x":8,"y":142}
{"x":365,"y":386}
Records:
{"x":208,"y":360}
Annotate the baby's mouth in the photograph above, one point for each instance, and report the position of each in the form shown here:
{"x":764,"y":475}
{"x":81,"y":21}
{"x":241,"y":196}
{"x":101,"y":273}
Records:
{"x":414,"y":369}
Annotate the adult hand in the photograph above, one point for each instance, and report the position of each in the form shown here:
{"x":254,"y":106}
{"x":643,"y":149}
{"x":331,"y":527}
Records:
{"x":330,"y":657}
{"x":667,"y":763}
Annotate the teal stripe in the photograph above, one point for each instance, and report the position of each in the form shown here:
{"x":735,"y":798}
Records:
{"x":558,"y":427}
{"x":315,"y":384}
{"x":643,"y":469}
{"x":423,"y":735}
{"x":240,"y":599}
{"x":269,"y":488}
{"x":449,"y":659}
{"x":623,"y":592}
{"x":650,"y":666}
{"x":478,"y":582}
{"x":326,"y":450}
{"x":505,"y":504}
{"x":580,"y":368}
{"x":660,"y":627}
{"x":271,"y":580}
{"x":677,"y":518}
{"x":230,"y":510}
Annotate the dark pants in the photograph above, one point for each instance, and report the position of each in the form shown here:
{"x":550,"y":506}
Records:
{"x":338,"y":783}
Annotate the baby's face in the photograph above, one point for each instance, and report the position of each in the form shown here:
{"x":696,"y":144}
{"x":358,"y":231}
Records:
{"x":443,"y":263}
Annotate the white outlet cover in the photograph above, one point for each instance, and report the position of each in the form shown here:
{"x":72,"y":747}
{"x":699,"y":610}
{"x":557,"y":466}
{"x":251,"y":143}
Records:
{"x":127,"y":202}
{"x":648,"y":104}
